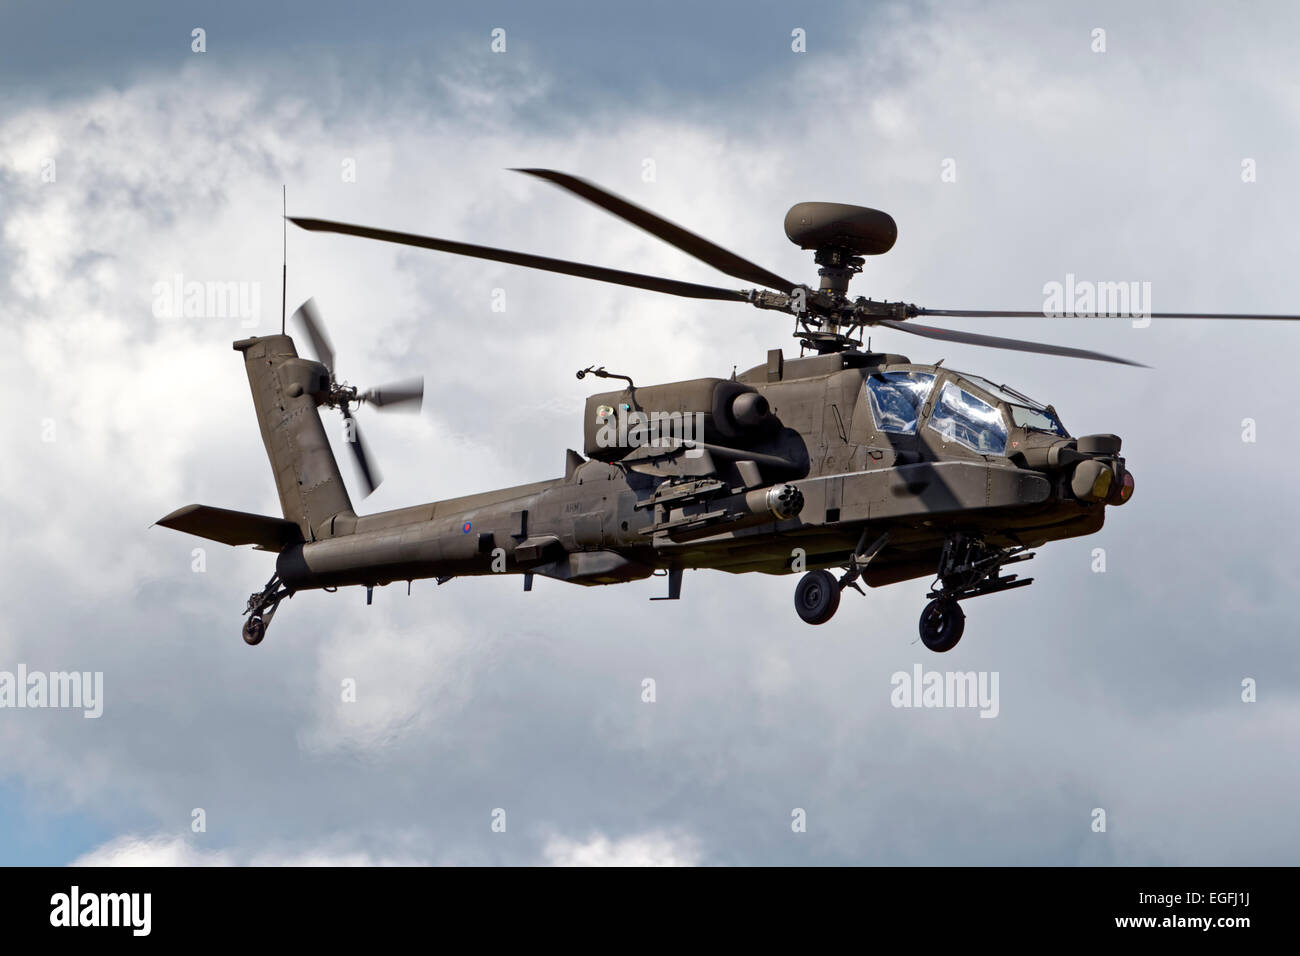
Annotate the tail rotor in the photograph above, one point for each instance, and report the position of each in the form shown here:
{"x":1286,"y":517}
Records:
{"x":405,"y":395}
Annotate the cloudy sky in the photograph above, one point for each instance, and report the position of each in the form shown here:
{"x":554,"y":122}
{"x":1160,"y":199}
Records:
{"x":127,"y":159}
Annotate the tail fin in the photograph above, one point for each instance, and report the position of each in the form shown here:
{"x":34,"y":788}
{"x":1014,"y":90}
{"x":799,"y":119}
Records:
{"x":286,"y":393}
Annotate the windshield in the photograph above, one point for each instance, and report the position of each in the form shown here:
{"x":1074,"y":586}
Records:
{"x":1025,"y":411}
{"x":897,"y":399}
{"x":965,"y":418}
{"x":1039,"y":419}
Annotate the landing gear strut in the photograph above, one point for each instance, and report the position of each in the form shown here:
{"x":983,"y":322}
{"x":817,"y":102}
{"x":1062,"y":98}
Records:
{"x":261,"y":608}
{"x":968,"y":568}
{"x":817,"y":596}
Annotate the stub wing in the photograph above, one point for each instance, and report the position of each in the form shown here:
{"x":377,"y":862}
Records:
{"x":234,"y":527}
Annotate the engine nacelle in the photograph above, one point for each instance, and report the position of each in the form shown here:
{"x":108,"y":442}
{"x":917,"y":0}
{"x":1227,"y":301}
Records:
{"x":711,"y":410}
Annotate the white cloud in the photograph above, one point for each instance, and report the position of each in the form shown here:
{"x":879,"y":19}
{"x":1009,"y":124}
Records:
{"x":401,"y":684}
{"x":650,"y":849}
{"x":177,"y":851}
{"x":653,"y":849}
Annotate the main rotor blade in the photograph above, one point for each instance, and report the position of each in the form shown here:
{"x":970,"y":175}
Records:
{"x":721,"y":259}
{"x":396,"y":394}
{"x":370,"y":477}
{"x":999,"y":314}
{"x":636,"y":280}
{"x":998,"y":342}
{"x":310,"y":316}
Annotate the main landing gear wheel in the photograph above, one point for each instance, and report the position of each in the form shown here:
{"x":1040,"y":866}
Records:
{"x":942,"y":624}
{"x":817,"y":597}
{"x":254,"y":630}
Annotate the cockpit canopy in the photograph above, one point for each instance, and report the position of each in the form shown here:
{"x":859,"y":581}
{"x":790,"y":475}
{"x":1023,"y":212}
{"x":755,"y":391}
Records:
{"x":1025,"y":412}
{"x":897,"y":399}
{"x":959,"y":412}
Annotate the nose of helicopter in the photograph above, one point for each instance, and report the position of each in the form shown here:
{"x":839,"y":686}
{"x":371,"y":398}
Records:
{"x":1103,"y":474}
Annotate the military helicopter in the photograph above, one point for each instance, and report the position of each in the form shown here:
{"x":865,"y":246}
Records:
{"x":848,"y":465}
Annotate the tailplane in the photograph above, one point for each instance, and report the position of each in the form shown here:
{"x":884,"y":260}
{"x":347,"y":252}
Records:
{"x":234,"y":527}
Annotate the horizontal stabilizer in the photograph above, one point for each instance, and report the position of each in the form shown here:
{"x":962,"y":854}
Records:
{"x":234,"y":527}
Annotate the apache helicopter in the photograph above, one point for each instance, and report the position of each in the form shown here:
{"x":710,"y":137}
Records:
{"x":847,"y":464}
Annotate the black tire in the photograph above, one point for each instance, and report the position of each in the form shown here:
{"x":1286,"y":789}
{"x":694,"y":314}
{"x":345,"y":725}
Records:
{"x":942,"y":624}
{"x":254,"y":631}
{"x":817,"y":597}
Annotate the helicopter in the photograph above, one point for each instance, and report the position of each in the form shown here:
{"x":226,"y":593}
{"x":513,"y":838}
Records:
{"x":844,"y":465}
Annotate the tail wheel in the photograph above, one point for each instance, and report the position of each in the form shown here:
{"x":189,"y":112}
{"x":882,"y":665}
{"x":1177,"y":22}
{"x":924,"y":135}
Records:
{"x":254,"y":630}
{"x":942,"y":624}
{"x":817,"y":597}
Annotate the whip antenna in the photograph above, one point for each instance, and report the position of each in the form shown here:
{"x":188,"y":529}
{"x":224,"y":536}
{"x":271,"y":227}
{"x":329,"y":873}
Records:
{"x":284,"y":252}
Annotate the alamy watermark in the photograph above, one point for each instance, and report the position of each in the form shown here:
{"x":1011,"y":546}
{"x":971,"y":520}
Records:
{"x":1073,"y":298}
{"x":922,"y":688}
{"x":626,"y":427}
{"x":176,"y":299}
{"x":72,"y":690}
{"x":129,"y":910}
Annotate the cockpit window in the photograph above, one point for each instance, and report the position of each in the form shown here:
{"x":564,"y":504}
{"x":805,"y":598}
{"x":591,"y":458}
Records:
{"x":897,"y":399}
{"x":960,"y":416}
{"x":1039,"y":419}
{"x":1025,"y":411}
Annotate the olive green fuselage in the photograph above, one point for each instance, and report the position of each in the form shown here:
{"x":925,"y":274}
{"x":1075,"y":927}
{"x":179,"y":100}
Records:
{"x":628,"y":510}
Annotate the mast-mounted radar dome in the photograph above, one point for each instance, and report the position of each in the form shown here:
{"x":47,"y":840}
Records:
{"x":857,"y":230}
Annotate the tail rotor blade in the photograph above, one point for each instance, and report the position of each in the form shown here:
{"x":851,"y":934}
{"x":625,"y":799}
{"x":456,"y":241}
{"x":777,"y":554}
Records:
{"x":407,"y":394}
{"x":309,"y":315}
{"x":370,"y":476}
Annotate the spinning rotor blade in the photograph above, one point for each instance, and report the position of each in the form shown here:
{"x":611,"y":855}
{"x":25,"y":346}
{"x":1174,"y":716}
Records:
{"x":396,"y":394}
{"x":998,"y":342}
{"x":636,"y":280}
{"x":370,"y":477}
{"x":721,"y":259}
{"x":997,"y":314}
{"x":309,"y":315}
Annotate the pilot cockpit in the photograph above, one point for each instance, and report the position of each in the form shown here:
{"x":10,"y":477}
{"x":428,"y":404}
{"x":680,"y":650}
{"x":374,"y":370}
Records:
{"x":959,"y":412}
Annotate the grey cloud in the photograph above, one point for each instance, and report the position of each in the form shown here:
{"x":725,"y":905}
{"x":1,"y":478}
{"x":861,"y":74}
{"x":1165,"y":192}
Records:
{"x":1119,"y":690}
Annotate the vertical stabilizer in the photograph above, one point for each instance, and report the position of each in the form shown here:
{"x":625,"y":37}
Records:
{"x":287,"y":391}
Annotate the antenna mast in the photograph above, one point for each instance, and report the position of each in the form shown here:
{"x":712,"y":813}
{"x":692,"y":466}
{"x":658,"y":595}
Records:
{"x":284,"y":238}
